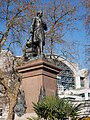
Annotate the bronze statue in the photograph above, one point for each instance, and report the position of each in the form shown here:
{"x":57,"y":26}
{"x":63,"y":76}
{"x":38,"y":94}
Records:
{"x":29,"y":50}
{"x":37,"y":32}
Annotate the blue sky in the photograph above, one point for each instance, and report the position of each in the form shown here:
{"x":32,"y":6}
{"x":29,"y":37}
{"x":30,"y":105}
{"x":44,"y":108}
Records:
{"x":82,"y":41}
{"x":79,"y":37}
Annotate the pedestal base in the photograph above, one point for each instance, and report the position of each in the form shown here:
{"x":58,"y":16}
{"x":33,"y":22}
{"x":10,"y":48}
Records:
{"x":36,"y":74}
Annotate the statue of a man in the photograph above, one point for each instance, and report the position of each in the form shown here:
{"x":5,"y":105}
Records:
{"x":37,"y":31}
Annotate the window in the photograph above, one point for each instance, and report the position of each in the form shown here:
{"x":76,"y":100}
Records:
{"x":66,"y":78}
{"x":82,"y":95}
{"x":82,"y":82}
{"x":88,"y":94}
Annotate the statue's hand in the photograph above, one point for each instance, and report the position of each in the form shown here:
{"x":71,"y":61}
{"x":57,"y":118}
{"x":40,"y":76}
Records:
{"x":44,"y":26}
{"x":31,"y":32}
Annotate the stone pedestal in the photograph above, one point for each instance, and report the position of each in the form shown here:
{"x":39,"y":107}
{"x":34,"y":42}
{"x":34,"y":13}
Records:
{"x":36,"y":74}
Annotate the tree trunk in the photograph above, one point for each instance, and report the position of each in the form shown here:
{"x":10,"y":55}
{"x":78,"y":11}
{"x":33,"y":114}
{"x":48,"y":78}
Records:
{"x":12,"y":103}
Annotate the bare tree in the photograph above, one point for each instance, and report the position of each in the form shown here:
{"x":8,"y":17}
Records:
{"x":87,"y":18}
{"x":60,"y":16}
{"x":10,"y":80}
{"x":86,"y":4}
{"x":13,"y":16}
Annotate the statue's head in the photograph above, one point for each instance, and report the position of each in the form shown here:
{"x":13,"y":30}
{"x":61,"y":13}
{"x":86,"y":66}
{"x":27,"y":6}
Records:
{"x":40,"y":13}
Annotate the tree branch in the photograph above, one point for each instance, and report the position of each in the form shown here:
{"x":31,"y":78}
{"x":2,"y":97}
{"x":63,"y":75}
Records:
{"x":9,"y":26}
{"x":71,"y":10}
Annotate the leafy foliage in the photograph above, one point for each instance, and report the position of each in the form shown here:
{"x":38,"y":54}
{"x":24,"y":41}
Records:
{"x":36,"y":118}
{"x":53,"y":108}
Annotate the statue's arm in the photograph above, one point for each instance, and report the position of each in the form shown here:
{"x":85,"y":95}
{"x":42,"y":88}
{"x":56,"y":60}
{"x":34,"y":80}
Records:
{"x":32,"y":26}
